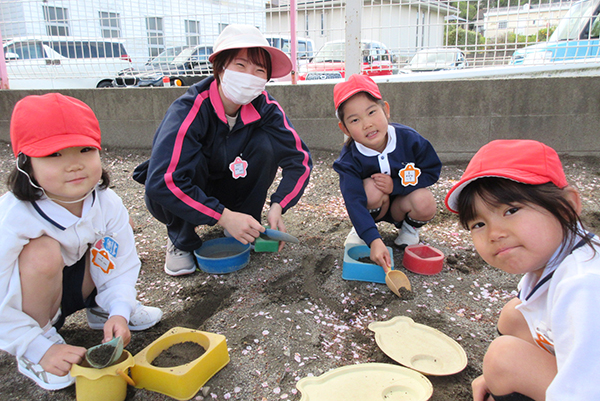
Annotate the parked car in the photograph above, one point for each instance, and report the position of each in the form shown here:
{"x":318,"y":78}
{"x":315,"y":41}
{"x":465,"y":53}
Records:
{"x":329,"y":62}
{"x":576,"y":38}
{"x":304,"y":47}
{"x":436,"y":59}
{"x":63,"y":62}
{"x":183,"y":65}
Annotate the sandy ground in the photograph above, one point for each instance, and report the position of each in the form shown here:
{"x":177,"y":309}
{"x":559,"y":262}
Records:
{"x":291,"y":315}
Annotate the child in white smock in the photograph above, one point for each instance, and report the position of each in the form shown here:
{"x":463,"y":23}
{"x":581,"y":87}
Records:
{"x":524,"y":219}
{"x":67,"y":243}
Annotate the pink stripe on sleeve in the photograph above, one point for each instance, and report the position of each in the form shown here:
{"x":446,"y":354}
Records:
{"x":304,"y":177}
{"x":176,"y":155}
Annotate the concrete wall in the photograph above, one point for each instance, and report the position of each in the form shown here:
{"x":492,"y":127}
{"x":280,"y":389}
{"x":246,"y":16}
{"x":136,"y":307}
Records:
{"x":458,"y":117}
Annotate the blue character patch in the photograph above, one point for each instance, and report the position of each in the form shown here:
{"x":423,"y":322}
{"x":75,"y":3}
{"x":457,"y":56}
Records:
{"x":111,"y":246}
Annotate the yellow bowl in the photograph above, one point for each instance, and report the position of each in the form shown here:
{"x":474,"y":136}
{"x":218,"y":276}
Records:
{"x":93,"y":384}
{"x":180,"y":382}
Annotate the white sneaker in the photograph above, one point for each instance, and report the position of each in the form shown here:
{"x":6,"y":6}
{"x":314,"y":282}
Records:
{"x":353,"y":238}
{"x":178,"y":262}
{"x":142,"y":318}
{"x":35,"y":372}
{"x":408,"y":235}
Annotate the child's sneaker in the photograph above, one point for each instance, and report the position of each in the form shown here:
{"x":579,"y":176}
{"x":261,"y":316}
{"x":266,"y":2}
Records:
{"x":35,"y":372}
{"x":353,"y":238}
{"x":142,"y":318}
{"x":178,"y":262}
{"x":408,"y":235}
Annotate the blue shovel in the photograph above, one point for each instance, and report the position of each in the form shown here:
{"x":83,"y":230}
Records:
{"x":278,"y":236}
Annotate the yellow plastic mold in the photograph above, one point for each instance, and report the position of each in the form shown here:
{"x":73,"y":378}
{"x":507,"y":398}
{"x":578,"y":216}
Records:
{"x":180,"y":382}
{"x":93,"y":384}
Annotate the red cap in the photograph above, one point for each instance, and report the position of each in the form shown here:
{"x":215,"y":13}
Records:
{"x":356,"y":83}
{"x":524,"y":161}
{"x":42,"y":125}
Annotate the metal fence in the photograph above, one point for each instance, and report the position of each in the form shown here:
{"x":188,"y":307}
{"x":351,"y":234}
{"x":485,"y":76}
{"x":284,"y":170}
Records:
{"x":487,"y":32}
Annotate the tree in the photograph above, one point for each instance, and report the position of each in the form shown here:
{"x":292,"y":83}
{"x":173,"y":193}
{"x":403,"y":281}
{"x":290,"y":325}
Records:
{"x":468,"y":9}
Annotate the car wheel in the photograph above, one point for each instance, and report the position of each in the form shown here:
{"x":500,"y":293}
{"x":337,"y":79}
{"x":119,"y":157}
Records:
{"x":105,"y":84}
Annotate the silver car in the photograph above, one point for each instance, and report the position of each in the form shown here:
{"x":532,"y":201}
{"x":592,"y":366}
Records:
{"x":183,"y":66}
{"x":437,"y":59}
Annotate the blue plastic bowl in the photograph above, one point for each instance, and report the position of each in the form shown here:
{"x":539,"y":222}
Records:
{"x":222,"y":255}
{"x":355,"y":270}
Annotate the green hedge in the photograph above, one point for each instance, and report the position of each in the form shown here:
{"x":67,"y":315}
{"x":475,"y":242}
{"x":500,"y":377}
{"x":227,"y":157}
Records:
{"x":464,"y":39}
{"x":472,"y":41}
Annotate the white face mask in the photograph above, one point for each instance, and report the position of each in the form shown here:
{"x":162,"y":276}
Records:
{"x":241,"y":88}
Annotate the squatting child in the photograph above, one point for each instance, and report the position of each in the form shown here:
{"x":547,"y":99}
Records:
{"x":523,"y":217}
{"x":66,"y":241}
{"x":385,"y":169}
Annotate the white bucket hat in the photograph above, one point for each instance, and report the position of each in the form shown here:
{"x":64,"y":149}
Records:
{"x":238,"y":36}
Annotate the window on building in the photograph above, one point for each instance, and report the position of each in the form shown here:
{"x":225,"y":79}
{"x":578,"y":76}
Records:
{"x":110,"y":24}
{"x":156,"y":35}
{"x":192,"y":32}
{"x":322,"y":24}
{"x":222,"y":26}
{"x":57,"y":20}
{"x":306,"y":26}
{"x":502,"y":24}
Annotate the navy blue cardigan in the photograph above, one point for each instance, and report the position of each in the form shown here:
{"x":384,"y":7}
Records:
{"x":353,"y":167}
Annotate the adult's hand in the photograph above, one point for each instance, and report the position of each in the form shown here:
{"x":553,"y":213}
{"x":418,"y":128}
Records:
{"x":275,"y":221}
{"x":241,"y":226}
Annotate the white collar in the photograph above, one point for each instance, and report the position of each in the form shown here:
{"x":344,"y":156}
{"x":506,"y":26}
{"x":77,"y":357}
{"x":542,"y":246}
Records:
{"x":55,"y":213}
{"x":389,"y":148}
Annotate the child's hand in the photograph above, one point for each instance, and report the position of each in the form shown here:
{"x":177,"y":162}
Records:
{"x":383,"y":182}
{"x":480,"y":389}
{"x":381,"y":255}
{"x":116,"y":326}
{"x":241,"y":226}
{"x":59,"y":358}
{"x":275,"y":221}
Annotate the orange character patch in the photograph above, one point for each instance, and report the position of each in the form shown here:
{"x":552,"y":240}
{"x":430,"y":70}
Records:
{"x":410,"y":175}
{"x":102,"y":251}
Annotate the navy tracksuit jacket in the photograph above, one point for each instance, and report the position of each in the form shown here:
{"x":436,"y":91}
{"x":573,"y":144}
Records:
{"x":199,"y":166}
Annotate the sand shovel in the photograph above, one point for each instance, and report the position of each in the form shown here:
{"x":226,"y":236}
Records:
{"x":103,"y":355}
{"x":395,"y":280}
{"x":276,"y":235}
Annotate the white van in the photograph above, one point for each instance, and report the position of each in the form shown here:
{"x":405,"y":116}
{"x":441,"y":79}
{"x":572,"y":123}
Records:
{"x":304,"y":48}
{"x":62,"y":62}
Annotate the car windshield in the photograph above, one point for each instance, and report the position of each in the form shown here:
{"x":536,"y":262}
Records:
{"x":336,"y":52}
{"x":166,"y":56}
{"x":574,"y":21}
{"x":199,"y":53}
{"x":433,"y":58}
{"x":331,"y":52}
